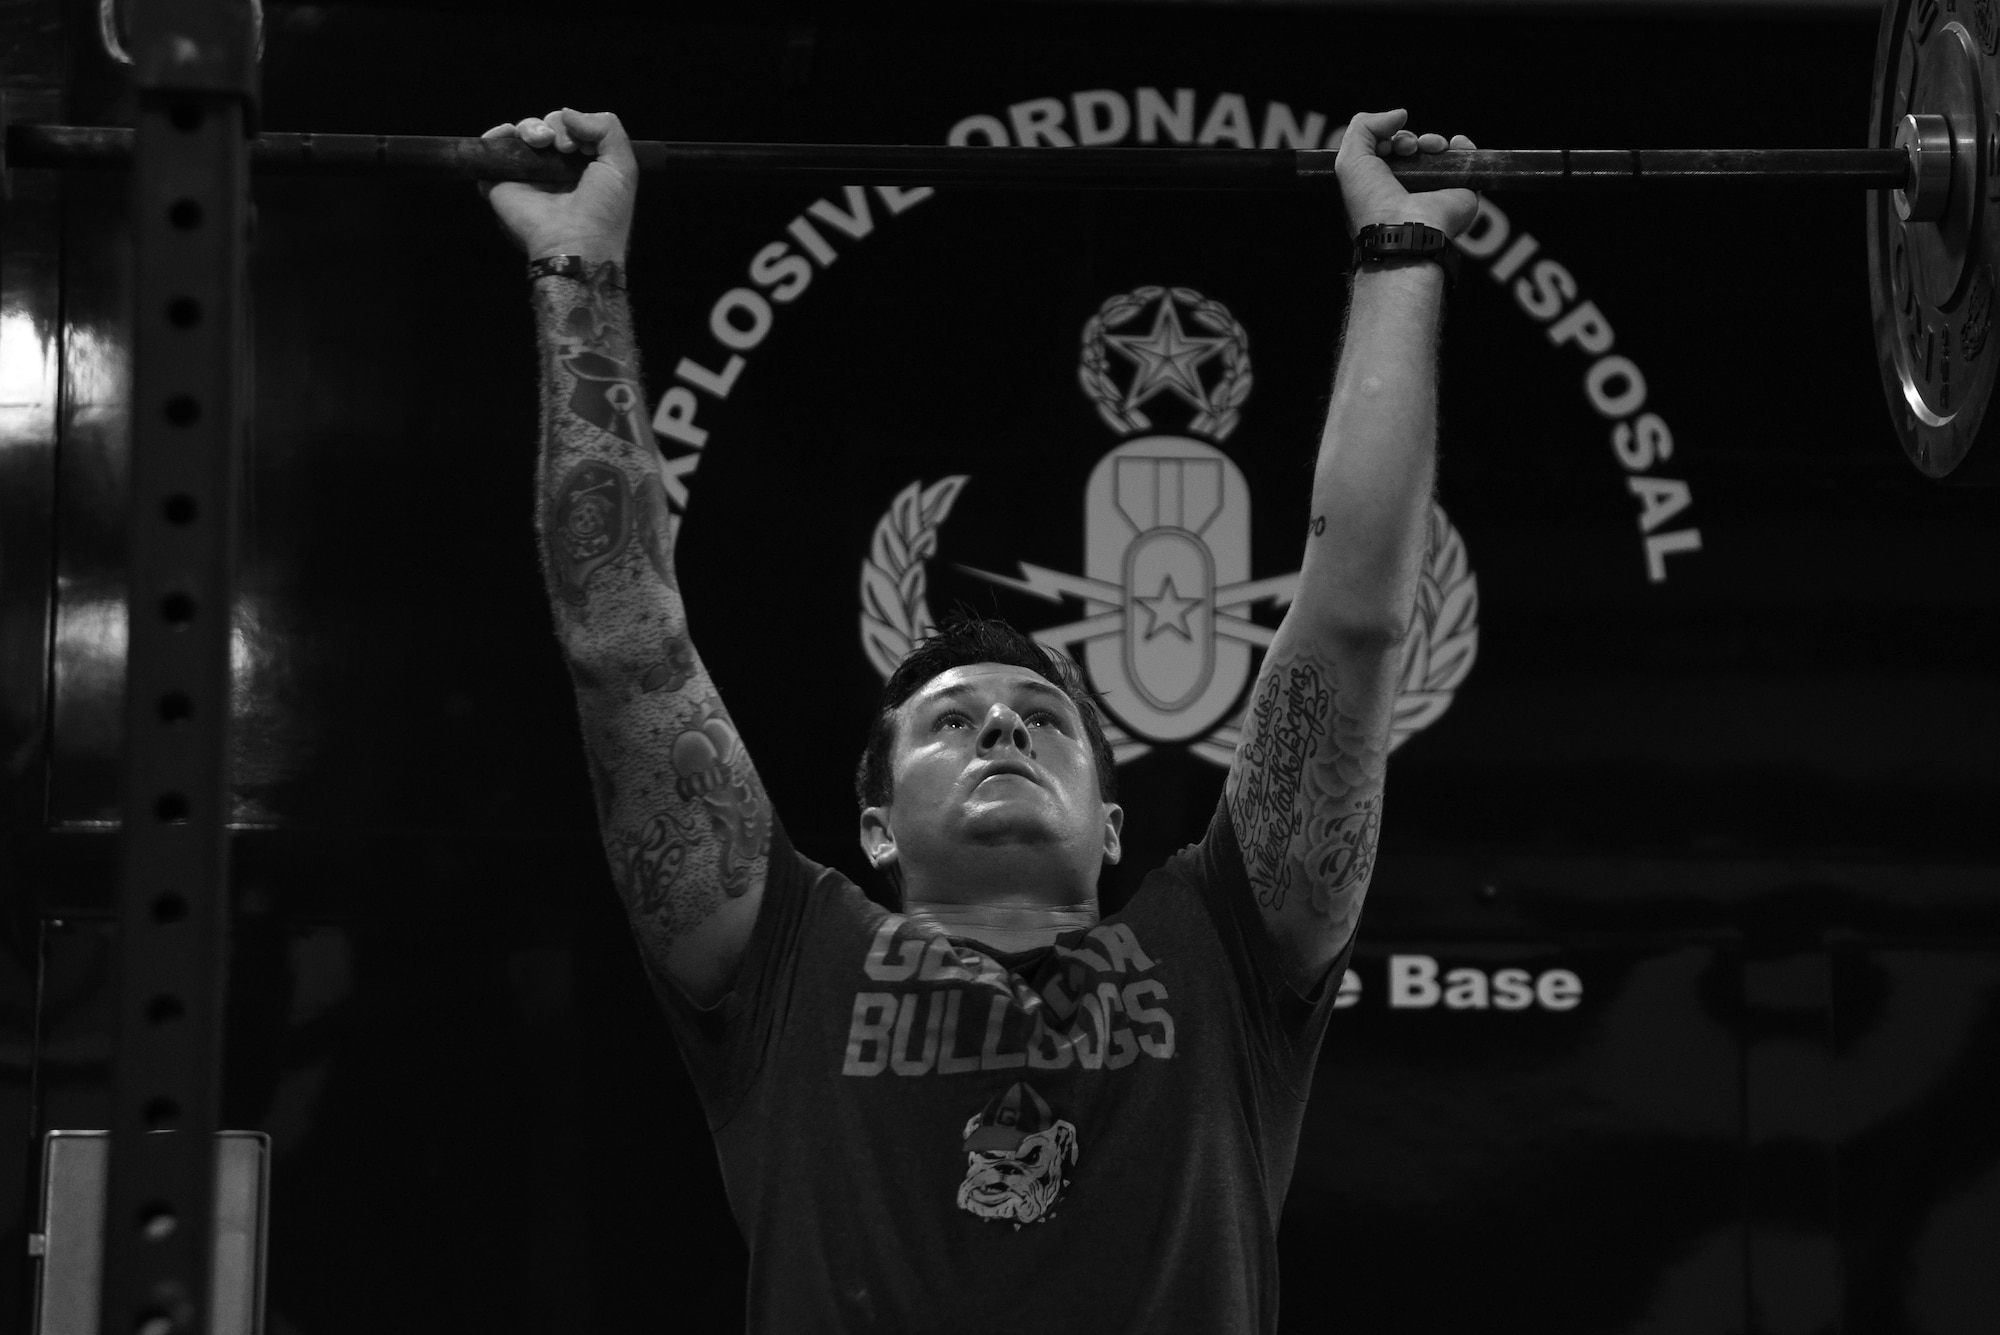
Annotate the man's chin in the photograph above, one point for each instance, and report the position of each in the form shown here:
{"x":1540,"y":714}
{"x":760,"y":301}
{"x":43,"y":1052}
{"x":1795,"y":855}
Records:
{"x":1018,"y":815}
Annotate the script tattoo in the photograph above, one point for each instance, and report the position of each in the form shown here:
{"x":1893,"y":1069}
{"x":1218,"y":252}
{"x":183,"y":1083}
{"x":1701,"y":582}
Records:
{"x":1287,"y":721}
{"x":1343,"y":848}
{"x":1305,"y":791}
{"x":647,"y":864}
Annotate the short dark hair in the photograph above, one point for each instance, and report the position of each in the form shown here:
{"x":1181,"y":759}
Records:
{"x":965,"y":639}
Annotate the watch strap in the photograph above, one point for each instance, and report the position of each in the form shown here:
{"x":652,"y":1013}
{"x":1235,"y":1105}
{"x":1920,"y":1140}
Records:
{"x":609,"y":273}
{"x":1379,"y":242}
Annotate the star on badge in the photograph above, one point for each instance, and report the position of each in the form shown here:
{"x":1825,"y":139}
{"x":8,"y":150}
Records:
{"x":1168,"y":358}
{"x":1168,"y":611}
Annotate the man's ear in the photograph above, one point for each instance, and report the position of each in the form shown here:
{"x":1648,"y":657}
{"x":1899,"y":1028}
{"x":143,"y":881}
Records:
{"x":1114,"y":823}
{"x":878,"y":841}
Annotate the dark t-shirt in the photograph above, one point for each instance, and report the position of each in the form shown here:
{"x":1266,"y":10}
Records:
{"x":918,"y":1133}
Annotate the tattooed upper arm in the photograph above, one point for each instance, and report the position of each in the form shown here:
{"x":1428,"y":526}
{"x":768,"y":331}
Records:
{"x":686,"y":822}
{"x":685,"y":819}
{"x":1305,"y":790}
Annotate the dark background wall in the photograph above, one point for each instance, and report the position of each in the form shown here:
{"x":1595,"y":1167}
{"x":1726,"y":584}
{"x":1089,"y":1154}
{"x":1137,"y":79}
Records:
{"x":1743,"y":792}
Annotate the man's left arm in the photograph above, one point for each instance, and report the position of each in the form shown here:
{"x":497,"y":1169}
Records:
{"x":1305,"y":789}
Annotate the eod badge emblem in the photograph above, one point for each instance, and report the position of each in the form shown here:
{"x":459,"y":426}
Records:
{"x":1166,"y":591}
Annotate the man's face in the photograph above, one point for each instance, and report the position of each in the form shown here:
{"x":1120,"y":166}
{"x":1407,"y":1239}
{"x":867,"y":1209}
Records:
{"x":994,"y":755}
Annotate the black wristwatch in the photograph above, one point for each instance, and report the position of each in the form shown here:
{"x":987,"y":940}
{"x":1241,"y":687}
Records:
{"x":1408,"y":240}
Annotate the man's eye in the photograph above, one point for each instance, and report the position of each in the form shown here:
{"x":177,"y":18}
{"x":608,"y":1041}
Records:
{"x":951,"y":719}
{"x":1042,"y":718}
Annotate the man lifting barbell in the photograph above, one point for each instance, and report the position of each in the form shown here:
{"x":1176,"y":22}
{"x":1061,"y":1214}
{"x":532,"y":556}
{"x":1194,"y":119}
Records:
{"x":995,"y":1107}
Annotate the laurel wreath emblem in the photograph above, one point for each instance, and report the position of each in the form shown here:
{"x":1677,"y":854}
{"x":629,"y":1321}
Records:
{"x":1221,"y":414}
{"x":1444,"y":635}
{"x":895,"y":610}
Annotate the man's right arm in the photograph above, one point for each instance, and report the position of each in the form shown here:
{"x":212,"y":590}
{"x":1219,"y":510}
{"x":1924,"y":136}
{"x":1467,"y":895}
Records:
{"x":685,"y":819}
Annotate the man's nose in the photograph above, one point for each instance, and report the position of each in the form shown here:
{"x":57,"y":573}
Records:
{"x":1004,"y":728}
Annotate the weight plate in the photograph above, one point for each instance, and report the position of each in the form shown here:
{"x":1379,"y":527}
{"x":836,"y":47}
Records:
{"x":1930,"y":283}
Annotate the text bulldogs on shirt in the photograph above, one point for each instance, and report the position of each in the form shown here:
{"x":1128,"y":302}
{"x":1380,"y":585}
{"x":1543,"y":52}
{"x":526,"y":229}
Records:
{"x":949,"y":1009}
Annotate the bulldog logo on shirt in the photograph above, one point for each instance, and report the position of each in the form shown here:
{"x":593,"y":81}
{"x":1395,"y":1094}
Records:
{"x":1016,"y":1152}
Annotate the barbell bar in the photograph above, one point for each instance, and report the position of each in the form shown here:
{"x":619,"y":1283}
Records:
{"x":447,"y":158}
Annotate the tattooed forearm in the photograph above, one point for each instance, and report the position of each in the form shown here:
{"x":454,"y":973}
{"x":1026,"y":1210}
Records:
{"x":607,"y":530}
{"x":590,"y":365}
{"x":686,"y":822}
{"x":1305,"y":791}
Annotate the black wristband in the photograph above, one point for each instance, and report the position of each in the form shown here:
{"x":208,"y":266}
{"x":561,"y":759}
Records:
{"x":573,"y":267}
{"x":1380,"y":242}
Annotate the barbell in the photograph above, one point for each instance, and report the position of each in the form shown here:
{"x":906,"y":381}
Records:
{"x":445,"y":158}
{"x":1932,"y":168}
